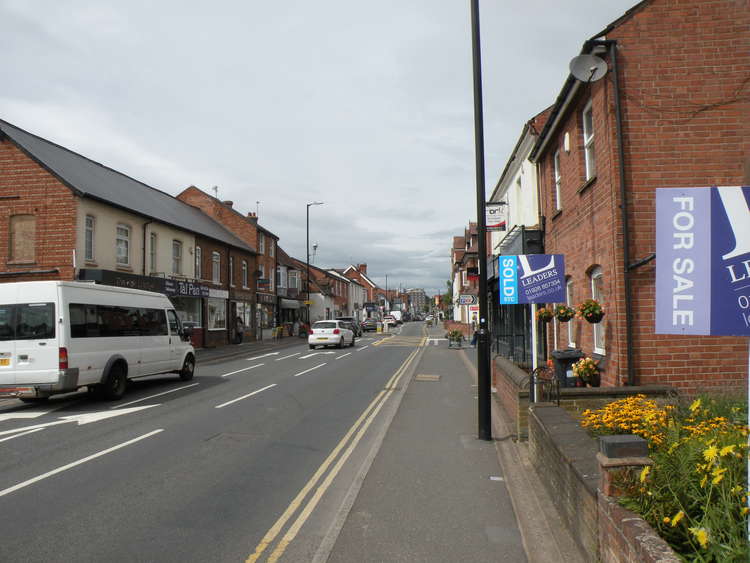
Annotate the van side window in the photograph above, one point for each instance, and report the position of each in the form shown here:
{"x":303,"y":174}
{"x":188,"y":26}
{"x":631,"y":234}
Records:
{"x":174,"y":323}
{"x":35,"y":321}
{"x":7,"y":328}
{"x":153,"y":322}
{"x":92,"y":321}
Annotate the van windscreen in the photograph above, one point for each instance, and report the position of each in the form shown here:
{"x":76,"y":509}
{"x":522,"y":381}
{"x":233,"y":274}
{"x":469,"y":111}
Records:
{"x":27,"y":321}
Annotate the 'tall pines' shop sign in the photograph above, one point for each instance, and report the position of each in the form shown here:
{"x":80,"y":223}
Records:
{"x":703,"y":261}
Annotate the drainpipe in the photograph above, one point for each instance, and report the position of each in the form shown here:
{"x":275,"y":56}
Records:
{"x":146,"y":224}
{"x":612,"y":45}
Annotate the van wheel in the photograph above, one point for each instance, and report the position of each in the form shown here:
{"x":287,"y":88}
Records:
{"x":114,"y":386}
{"x":188,"y":369}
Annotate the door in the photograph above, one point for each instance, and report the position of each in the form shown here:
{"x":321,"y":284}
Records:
{"x":36,"y":355}
{"x":176,"y":345}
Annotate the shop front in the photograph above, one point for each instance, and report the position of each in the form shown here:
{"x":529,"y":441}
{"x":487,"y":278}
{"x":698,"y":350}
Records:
{"x":265,"y":315}
{"x":217,"y":328}
{"x":290,"y":311}
{"x":242,"y":320}
{"x":187,"y":298}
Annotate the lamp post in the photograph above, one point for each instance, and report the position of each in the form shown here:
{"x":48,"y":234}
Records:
{"x":307,"y":250}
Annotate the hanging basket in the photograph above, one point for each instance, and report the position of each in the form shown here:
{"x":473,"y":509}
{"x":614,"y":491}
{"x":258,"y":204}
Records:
{"x":545,"y":315}
{"x":590,"y":310}
{"x":594,"y":318}
{"x":563,"y":313}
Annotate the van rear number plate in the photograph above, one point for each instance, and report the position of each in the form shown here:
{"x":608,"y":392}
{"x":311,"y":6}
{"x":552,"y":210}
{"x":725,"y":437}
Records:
{"x":4,"y":361}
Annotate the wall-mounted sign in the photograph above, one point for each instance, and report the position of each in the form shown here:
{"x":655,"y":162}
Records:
{"x":467,"y":299}
{"x":531,"y":278}
{"x":496,"y":216}
{"x":179,"y":288}
{"x":703,"y":261}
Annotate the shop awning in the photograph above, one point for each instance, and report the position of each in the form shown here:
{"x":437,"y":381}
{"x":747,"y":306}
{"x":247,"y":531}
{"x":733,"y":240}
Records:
{"x":290,"y":304}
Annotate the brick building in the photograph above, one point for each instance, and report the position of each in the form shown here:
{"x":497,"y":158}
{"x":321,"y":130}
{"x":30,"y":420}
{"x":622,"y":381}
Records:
{"x":67,"y":217}
{"x":680,"y":73}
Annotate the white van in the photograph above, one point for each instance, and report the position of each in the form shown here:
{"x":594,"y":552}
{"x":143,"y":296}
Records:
{"x":57,"y":336}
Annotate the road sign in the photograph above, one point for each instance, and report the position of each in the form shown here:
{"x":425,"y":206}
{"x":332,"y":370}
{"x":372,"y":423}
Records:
{"x":467,"y":299}
{"x":703,"y":261}
{"x":531,"y":278}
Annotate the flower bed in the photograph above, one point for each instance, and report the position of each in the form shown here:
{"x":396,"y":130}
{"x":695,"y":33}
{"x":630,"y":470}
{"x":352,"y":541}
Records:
{"x":695,"y":495}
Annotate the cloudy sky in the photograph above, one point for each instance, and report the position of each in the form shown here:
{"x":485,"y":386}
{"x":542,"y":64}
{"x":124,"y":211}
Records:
{"x":366,"y":106}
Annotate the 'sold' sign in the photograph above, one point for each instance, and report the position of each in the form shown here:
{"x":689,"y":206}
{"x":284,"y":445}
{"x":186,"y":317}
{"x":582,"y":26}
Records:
{"x":703,"y":261}
{"x":531,"y":278}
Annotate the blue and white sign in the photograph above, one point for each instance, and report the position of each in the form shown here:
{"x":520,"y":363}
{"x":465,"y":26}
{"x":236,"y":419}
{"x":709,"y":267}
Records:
{"x":531,"y":278}
{"x":703,"y":261}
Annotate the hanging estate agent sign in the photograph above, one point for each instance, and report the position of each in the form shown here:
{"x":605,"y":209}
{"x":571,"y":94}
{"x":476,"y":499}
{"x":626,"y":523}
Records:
{"x":495,"y":216}
{"x":531,"y":278}
{"x":703,"y":261}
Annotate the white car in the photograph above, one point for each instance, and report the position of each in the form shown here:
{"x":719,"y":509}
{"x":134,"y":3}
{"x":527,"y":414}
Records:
{"x":331,"y":333}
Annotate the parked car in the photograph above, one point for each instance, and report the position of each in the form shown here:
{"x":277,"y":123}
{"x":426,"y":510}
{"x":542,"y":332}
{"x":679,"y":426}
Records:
{"x":390,"y":319}
{"x":331,"y":333}
{"x":355,"y":325}
{"x":369,"y":325}
{"x":57,"y":337}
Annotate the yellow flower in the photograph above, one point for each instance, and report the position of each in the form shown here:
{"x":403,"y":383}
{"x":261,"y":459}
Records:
{"x":644,"y":473}
{"x":700,"y":534}
{"x":710,"y":453}
{"x":726,"y":450}
{"x":718,"y":474}
{"x":703,"y":481}
{"x":677,"y":517}
{"x":696,"y":404}
{"x":744,"y":510}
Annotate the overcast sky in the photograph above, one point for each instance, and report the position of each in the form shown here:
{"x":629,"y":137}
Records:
{"x":366,"y":106}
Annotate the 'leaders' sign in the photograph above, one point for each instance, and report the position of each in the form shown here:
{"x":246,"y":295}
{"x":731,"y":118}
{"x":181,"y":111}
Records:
{"x":531,"y":278}
{"x":703,"y":261}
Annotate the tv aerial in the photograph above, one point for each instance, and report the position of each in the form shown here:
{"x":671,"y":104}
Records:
{"x":588,"y":68}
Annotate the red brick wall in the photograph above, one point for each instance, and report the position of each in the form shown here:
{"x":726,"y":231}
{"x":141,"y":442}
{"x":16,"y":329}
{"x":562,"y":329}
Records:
{"x":27,"y":188}
{"x":684,"y":94}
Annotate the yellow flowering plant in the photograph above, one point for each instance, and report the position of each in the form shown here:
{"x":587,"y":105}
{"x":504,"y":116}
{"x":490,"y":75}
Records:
{"x":695,"y":494}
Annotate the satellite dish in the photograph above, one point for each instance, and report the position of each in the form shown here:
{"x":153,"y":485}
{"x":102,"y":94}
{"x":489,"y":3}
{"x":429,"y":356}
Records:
{"x":588,"y":68}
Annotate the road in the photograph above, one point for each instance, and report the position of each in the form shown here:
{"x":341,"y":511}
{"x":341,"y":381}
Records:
{"x":209,"y":470}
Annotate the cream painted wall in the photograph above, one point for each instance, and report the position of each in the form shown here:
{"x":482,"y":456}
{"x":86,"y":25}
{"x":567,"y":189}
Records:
{"x":106,"y":220}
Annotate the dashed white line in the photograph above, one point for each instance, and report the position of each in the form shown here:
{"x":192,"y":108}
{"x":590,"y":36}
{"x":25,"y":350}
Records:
{"x":21,"y":434}
{"x":79,"y":462}
{"x":152,"y":396}
{"x":342,"y":356}
{"x":243,"y":369}
{"x":309,"y":370}
{"x":245,"y":396}
{"x":285,"y":357}
{"x":363,"y":347}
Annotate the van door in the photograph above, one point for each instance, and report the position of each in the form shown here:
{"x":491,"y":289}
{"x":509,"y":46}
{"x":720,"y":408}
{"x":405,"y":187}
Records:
{"x":7,"y":344}
{"x":156,"y":354}
{"x":36,"y":355}
{"x":176,"y":346}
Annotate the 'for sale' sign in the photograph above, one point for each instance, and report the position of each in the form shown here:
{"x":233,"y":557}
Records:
{"x":531,"y":278}
{"x":703,"y":261}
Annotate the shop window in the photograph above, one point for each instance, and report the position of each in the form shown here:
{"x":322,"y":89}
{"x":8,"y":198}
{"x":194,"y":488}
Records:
{"x":588,"y":141}
{"x":216,"y":267}
{"x":188,"y":310}
{"x":198,"y":263}
{"x":217,"y":314}
{"x":89,"y":238}
{"x":597,"y":293}
{"x":123,"y":245}
{"x":22,"y":238}
{"x":177,"y":257}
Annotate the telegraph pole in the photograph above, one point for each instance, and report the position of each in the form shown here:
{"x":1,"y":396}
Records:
{"x":483,"y":350}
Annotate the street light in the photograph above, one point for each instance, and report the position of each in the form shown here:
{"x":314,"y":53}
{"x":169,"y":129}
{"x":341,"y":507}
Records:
{"x":307,"y":249}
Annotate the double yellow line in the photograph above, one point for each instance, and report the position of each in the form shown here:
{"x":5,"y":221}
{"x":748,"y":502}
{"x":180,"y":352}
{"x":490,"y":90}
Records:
{"x":357,"y":430}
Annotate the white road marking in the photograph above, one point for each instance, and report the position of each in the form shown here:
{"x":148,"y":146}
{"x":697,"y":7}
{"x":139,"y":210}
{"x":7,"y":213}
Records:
{"x":435,"y":340}
{"x":79,"y":462}
{"x":363,"y":347}
{"x":245,"y":396}
{"x":21,"y":434}
{"x":342,"y":356}
{"x":22,"y":414}
{"x":310,"y":355}
{"x":263,"y":356}
{"x":152,"y":396}
{"x":308,"y":370}
{"x":243,"y":369}
{"x":285,"y":357}
{"x":81,"y":418}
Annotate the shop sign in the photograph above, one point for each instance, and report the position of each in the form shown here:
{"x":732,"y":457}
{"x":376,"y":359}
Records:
{"x":267,"y":298}
{"x":496,"y":216}
{"x":467,"y":299}
{"x":703,"y":261}
{"x":531,"y":278}
{"x":371,"y":306}
{"x":122,"y":279}
{"x":218,"y":293}
{"x":263,"y":282}
{"x":180,"y":288}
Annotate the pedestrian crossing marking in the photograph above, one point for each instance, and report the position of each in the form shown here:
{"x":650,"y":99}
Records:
{"x":410,"y":341}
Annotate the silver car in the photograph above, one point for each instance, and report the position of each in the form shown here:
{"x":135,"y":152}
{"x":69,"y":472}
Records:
{"x":331,"y":333}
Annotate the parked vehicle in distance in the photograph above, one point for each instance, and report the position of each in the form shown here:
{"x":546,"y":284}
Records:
{"x":57,"y":337}
{"x":369,"y":325}
{"x":398,"y":316}
{"x":353,"y":322}
{"x":389,"y":320}
{"x":331,"y":333}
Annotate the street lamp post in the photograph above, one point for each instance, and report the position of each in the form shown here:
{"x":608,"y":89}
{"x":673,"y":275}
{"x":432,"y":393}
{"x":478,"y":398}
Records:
{"x":307,"y":250}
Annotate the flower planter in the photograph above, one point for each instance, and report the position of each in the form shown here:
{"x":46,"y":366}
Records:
{"x":594,"y":318}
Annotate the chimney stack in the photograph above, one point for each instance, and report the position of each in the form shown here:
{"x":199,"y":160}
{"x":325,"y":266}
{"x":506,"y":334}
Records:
{"x":362,"y":268}
{"x":252,"y":217}
{"x":228,"y":203}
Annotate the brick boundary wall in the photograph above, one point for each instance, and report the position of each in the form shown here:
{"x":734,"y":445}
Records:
{"x":564,"y":455}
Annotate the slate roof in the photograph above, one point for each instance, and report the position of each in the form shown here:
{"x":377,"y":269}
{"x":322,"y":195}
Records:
{"x":93,"y":180}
